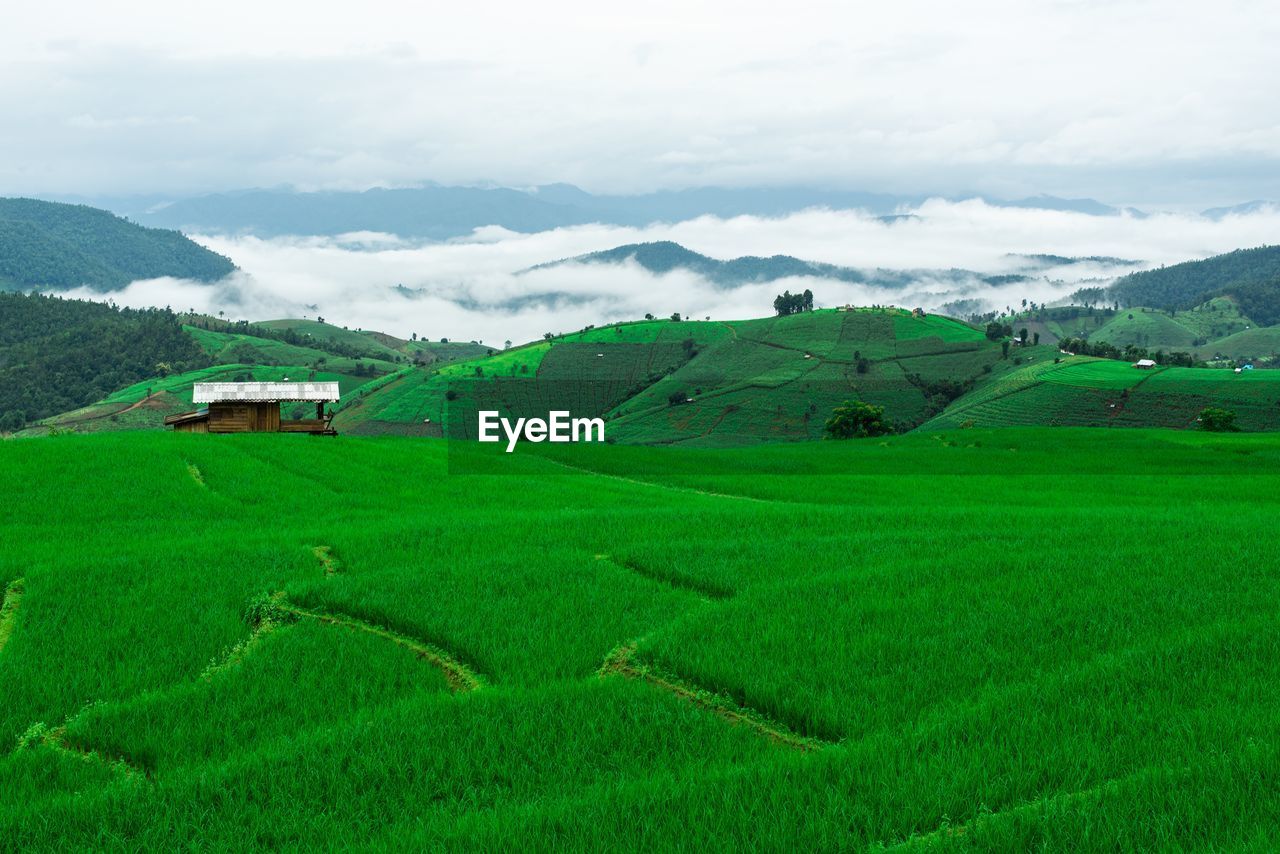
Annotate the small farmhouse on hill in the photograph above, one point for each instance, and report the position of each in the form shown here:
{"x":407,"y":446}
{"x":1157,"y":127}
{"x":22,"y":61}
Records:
{"x":255,"y":408}
{"x":1144,"y":364}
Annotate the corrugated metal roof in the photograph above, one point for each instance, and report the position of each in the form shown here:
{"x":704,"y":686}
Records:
{"x":264,"y":392}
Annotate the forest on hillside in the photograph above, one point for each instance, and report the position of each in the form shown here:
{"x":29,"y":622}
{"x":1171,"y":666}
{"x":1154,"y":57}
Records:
{"x":1250,"y":276}
{"x":50,"y":245}
{"x":59,"y":354}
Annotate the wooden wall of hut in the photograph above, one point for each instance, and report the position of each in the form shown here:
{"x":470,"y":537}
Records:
{"x":244,"y":417}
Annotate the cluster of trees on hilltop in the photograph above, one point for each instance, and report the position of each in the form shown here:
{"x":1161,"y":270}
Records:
{"x":59,"y":354}
{"x":50,"y":245}
{"x":788,"y":303}
{"x":1104,"y":350}
{"x":1250,"y":276}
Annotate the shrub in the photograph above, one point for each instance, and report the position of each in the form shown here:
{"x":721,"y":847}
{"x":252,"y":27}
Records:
{"x":1217,"y":420}
{"x":857,"y":420}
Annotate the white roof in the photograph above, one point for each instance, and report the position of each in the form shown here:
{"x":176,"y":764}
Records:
{"x":264,"y":392}
{"x":1146,"y":363}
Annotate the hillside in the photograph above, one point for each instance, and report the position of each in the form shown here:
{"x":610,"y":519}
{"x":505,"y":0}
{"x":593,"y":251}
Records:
{"x":58,"y":354}
{"x":700,"y":382}
{"x":234,"y":357}
{"x":298,"y":350}
{"x":705,"y":383}
{"x":1215,"y":329}
{"x":1251,"y":277}
{"x":274,"y":642}
{"x":1082,"y":391}
{"x":46,"y":245}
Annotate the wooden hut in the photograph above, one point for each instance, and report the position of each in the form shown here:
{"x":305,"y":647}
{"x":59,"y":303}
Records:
{"x":255,"y":408}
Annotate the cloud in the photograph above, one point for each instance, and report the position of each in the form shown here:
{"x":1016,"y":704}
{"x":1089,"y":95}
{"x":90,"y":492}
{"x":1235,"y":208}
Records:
{"x":1134,"y":101}
{"x":472,"y":289}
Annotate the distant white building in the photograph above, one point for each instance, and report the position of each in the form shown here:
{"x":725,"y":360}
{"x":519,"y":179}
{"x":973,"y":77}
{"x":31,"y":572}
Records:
{"x":1144,"y":364}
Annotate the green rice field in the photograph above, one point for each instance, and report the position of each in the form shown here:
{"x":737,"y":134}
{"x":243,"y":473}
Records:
{"x":1018,"y":639}
{"x":1081,"y":391}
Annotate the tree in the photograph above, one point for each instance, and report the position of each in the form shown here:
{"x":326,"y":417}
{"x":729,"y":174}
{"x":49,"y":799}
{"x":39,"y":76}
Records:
{"x":1004,"y":349}
{"x":675,"y":316}
{"x":1216,"y":420}
{"x":996,"y":330}
{"x":1036,"y":339}
{"x":787,"y":303}
{"x":506,"y":345}
{"x":857,"y":420}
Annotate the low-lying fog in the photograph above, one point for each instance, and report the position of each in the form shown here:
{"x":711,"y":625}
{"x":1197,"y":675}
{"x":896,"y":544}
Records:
{"x":473,"y":288}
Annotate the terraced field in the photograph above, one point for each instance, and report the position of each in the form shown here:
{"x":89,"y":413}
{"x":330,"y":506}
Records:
{"x":700,"y":382}
{"x":1087,"y":392}
{"x":275,"y":641}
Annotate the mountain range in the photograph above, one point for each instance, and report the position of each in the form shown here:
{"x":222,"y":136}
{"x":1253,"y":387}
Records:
{"x":437,"y":212}
{"x":665,"y":256}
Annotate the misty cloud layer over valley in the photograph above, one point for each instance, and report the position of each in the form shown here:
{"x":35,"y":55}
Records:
{"x":495,"y":283}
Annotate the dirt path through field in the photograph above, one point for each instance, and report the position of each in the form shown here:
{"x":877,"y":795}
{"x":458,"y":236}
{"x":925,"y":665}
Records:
{"x":623,"y":662}
{"x":460,"y":677}
{"x":9,"y":609}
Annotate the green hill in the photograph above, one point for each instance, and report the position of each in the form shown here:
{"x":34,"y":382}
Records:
{"x":277,"y":642}
{"x":46,"y":245}
{"x":58,"y":354}
{"x":1082,"y":391}
{"x":236,"y":356}
{"x":699,"y":382}
{"x":1197,"y":329}
{"x":1251,"y":344}
{"x":371,"y":344}
{"x":1150,"y":329}
{"x":323,"y":334}
{"x":1250,"y":276}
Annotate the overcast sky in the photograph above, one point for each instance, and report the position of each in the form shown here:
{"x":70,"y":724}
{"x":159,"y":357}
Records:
{"x":1149,"y":103}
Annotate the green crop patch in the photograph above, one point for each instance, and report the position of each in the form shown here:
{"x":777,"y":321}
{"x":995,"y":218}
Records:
{"x":338,"y":643}
{"x":907,"y":327}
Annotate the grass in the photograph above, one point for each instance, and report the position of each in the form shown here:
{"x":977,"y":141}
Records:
{"x":1034,"y":638}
